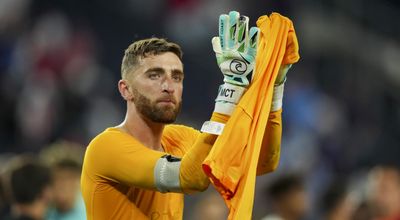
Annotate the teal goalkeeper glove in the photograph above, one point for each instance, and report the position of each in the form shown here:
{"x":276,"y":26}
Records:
{"x":235,"y":49}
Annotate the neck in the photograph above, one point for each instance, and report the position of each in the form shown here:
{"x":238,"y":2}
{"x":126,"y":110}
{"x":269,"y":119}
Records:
{"x":147,"y":132}
{"x":287,"y":214}
{"x":35,"y":210}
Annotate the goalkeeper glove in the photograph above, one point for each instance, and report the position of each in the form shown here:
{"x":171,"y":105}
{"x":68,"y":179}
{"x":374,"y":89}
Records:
{"x":235,"y":49}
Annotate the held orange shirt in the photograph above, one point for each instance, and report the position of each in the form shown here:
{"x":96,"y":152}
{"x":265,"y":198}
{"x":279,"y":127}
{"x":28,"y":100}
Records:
{"x":118,"y":181}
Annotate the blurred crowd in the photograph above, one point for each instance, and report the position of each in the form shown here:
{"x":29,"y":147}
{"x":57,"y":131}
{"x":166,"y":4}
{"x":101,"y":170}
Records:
{"x":45,"y":185}
{"x":60,"y":62}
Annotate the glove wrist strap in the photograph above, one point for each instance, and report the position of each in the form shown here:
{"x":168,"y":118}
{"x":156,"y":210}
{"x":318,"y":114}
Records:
{"x":230,"y":93}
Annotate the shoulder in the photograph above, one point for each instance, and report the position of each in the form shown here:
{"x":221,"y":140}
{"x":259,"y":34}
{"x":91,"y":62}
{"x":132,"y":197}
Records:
{"x":109,"y":142}
{"x":110,"y":136}
{"x":176,"y":131}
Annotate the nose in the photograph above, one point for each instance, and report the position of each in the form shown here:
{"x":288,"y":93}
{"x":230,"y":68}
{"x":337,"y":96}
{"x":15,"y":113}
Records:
{"x":167,"y":85}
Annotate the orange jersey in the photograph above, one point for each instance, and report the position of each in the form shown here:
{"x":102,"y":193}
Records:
{"x":118,"y":176}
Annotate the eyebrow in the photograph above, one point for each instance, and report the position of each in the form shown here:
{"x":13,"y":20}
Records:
{"x":162,"y":70}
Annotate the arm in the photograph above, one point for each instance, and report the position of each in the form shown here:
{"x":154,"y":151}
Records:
{"x":115,"y":156}
{"x":192,"y":177}
{"x":271,"y":145}
{"x":235,"y":49}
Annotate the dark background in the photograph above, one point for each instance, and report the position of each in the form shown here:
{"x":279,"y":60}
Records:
{"x":60,"y":62}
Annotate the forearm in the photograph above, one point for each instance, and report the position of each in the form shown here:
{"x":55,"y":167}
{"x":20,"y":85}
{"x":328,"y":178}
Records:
{"x":271,"y":145}
{"x":192,"y":177}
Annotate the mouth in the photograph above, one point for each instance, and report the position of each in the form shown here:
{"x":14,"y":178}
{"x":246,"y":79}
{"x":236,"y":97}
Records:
{"x":167,"y":101}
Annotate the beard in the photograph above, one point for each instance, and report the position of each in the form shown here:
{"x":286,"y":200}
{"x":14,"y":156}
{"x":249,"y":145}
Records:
{"x":159,"y":114}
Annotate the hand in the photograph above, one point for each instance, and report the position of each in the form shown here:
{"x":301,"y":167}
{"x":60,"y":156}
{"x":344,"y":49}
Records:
{"x":236,"y":48}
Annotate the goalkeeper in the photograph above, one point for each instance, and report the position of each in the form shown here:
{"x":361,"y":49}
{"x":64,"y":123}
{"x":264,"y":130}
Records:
{"x":141,"y":168}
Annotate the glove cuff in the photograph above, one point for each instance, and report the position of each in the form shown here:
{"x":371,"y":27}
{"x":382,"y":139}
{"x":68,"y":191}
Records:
{"x":224,"y":108}
{"x":230,"y":93}
{"x":227,"y":98}
{"x":277,"y":97}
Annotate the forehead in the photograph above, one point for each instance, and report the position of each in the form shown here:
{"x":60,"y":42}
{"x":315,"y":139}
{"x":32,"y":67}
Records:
{"x":167,"y":60}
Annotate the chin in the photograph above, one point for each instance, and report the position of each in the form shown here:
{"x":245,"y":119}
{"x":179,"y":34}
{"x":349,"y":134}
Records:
{"x":164,"y":120}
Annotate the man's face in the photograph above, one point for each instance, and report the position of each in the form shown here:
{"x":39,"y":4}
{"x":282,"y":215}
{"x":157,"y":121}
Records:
{"x":66,"y":185}
{"x":157,"y":85}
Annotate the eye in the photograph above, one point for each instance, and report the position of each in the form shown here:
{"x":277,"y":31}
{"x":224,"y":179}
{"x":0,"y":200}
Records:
{"x":154,"y":75}
{"x":178,"y":77}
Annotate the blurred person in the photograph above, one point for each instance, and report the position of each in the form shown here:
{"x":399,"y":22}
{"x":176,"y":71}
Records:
{"x":288,"y":197}
{"x":3,"y":199}
{"x":67,"y":199}
{"x":141,"y":168}
{"x":30,"y":186}
{"x":211,"y":207}
{"x":336,"y":203}
{"x":8,"y":163}
{"x":383,"y":197}
{"x":65,"y":160}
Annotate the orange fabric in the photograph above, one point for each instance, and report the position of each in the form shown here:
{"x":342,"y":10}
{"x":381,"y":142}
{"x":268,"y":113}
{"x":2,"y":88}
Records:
{"x":232,"y":162}
{"x":271,"y":145}
{"x":192,"y":177}
{"x":118,"y":181}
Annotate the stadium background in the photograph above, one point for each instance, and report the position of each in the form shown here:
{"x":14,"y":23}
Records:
{"x":60,"y":62}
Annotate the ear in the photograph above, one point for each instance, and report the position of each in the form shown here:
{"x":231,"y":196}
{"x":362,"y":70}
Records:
{"x":124,"y":90}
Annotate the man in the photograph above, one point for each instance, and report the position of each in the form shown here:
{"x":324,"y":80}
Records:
{"x":141,"y":168}
{"x":337,"y":203}
{"x":288,"y":198}
{"x":31,"y":192}
{"x":383,"y":197}
{"x":67,"y":200}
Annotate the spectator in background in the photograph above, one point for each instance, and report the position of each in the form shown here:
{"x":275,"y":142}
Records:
{"x":384,"y":193}
{"x":210,"y":207}
{"x":30,"y":185}
{"x":288,"y":197}
{"x":68,"y":203}
{"x":3,"y":200}
{"x":65,"y":159}
{"x":336,"y":203}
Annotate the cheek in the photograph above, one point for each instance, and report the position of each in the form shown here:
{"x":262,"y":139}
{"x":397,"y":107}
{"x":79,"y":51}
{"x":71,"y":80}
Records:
{"x":179,"y":91}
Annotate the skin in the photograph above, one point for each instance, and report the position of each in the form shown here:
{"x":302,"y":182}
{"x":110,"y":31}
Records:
{"x":66,"y":184}
{"x":153,"y":92}
{"x":35,"y":210}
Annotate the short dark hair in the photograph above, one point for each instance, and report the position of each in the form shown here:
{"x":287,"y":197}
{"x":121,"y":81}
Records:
{"x":68,"y":164}
{"x":334,"y":194}
{"x":29,"y":181}
{"x":283,"y":185}
{"x":149,"y":46}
